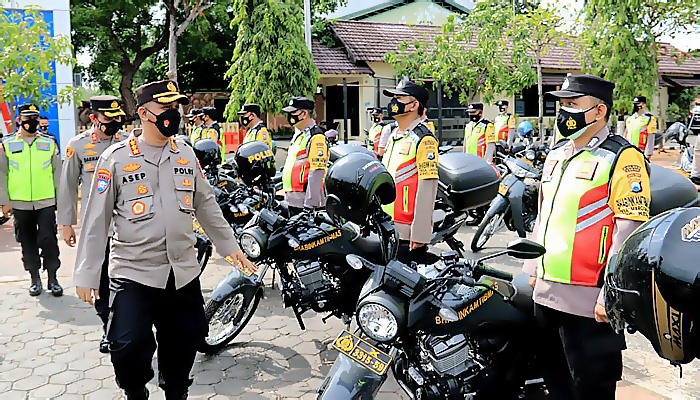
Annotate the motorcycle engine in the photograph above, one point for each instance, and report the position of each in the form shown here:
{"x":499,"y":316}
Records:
{"x":314,"y":286}
{"x":447,"y":355}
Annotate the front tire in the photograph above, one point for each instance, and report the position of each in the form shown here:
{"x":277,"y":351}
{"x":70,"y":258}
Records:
{"x":487,"y":228}
{"x":227,"y":317}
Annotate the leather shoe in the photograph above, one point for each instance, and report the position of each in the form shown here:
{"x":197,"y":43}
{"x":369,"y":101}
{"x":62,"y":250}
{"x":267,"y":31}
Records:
{"x":35,"y":288}
{"x":140,"y":394}
{"x":104,"y":344}
{"x":53,"y":286}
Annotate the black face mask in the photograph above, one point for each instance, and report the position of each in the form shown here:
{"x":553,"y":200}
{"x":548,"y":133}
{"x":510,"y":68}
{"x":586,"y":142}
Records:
{"x":474,"y":117}
{"x":572,"y":122}
{"x":636,"y":107}
{"x":190,"y":122}
{"x":167,"y":122}
{"x":44,"y":129}
{"x":30,"y":125}
{"x":396,"y":107}
{"x":245,"y":120}
{"x":109,"y":128}
{"x":503,"y":109}
{"x":376,"y":120}
{"x":293,"y":119}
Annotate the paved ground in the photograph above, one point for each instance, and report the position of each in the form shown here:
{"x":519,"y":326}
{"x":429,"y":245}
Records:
{"x":48,"y":347}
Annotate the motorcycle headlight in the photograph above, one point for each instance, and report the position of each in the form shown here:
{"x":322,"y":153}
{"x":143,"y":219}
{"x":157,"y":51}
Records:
{"x":250,"y":245}
{"x":530,"y":155}
{"x":380,"y":318}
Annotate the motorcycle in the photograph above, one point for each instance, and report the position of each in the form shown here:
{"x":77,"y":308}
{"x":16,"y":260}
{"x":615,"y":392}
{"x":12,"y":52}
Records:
{"x":464,"y":331}
{"x":515,"y":206}
{"x":318,"y":279}
{"x":678,"y":132}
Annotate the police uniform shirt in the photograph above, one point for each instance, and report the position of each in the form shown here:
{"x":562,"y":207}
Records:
{"x":421,"y":230}
{"x":386,"y":134}
{"x":318,"y":161}
{"x":4,"y":193}
{"x":212,"y":131}
{"x":629,"y":182}
{"x":151,"y":194}
{"x":82,"y":154}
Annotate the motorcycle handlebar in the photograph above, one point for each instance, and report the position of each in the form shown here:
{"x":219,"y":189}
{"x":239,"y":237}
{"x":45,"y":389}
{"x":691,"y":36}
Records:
{"x":496,"y":273}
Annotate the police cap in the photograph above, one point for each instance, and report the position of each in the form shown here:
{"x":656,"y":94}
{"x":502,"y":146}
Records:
{"x":252,"y":108}
{"x":28,"y":110}
{"x":194,"y":112}
{"x":639,"y":99}
{"x":299,"y":103}
{"x":500,"y":103}
{"x":408,"y":88}
{"x":210,"y":112}
{"x":108,"y":105}
{"x":475,"y":107}
{"x":375,"y":110}
{"x":163,"y":92}
{"x":585,"y":85}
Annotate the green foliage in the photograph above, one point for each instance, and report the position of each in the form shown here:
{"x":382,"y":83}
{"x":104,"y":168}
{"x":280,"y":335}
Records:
{"x":321,"y":30}
{"x":679,"y":103}
{"x":271,"y":63}
{"x":27,"y":58}
{"x":470,"y":57}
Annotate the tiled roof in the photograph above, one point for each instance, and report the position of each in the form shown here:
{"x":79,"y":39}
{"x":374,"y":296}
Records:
{"x":370,"y":41}
{"x":335,"y":61}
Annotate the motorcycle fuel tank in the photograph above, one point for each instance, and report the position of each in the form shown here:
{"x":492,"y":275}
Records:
{"x":325,"y":241}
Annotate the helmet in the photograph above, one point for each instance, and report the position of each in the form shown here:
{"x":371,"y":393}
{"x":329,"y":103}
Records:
{"x":356,"y":185}
{"x":524,"y":128}
{"x":653,"y":285}
{"x":256,"y":163}
{"x":208,"y":152}
{"x":678,"y":132}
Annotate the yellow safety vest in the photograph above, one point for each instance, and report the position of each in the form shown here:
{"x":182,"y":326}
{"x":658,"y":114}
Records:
{"x":30,"y":168}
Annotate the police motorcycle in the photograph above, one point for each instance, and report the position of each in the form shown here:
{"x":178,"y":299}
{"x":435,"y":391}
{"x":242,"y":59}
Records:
{"x":515,"y":206}
{"x":652,"y":285}
{"x":463,"y":331}
{"x":678,"y":132}
{"x":465,"y":183}
{"x":308,"y":250}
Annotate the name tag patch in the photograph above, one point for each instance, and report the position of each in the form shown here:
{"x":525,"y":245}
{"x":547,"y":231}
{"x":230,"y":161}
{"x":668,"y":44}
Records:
{"x":131,"y":178}
{"x":43,"y":146}
{"x":183,"y":171}
{"x":587,"y":170}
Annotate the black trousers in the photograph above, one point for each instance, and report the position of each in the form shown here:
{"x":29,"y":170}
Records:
{"x":581,"y":358}
{"x":102,"y":304}
{"x":178,"y":316}
{"x":34,"y":230}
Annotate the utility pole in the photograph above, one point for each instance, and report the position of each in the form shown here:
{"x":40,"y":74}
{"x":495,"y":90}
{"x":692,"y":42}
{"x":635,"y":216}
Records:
{"x":307,"y":23}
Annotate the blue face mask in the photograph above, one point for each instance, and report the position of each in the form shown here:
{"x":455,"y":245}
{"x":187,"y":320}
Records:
{"x":571,"y":122}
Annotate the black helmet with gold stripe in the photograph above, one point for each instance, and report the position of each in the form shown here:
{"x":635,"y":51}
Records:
{"x":653,"y":284}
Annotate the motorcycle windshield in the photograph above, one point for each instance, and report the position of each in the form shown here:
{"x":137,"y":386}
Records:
{"x":348,"y":379}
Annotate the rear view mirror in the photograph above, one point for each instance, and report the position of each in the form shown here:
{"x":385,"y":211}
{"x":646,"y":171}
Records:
{"x":525,"y":249}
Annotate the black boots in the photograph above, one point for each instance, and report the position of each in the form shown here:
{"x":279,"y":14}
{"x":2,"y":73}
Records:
{"x":35,"y":288}
{"x":104,"y":344}
{"x":53,"y":286}
{"x":140,"y":394}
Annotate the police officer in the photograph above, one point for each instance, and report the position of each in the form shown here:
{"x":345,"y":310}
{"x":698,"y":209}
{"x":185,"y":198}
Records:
{"x":30,"y":169}
{"x":249,"y":117}
{"x":411,"y":158}
{"x":150,"y":186}
{"x":505,"y":123}
{"x":196,"y":118}
{"x":375,"y":132}
{"x":384,"y":139}
{"x":594,"y":193}
{"x":82,"y":153}
{"x":307,"y":158}
{"x":640,"y":127}
{"x":479,"y":134}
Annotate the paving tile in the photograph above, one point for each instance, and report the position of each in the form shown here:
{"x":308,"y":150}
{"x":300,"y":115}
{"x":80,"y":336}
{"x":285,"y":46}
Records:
{"x":48,"y":391}
{"x":83,"y":386}
{"x":30,"y":382}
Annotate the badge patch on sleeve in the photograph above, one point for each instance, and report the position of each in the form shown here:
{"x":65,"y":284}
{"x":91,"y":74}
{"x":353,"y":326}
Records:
{"x":69,"y":152}
{"x":427,"y":159}
{"x":104,"y":180}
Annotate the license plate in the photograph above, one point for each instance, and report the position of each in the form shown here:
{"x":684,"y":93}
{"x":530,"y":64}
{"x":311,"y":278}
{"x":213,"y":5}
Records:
{"x":524,"y":159}
{"x":502,"y":189}
{"x":362,"y":352}
{"x":197,"y":227}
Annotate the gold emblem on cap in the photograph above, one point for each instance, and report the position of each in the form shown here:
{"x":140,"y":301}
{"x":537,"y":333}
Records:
{"x":115,"y":104}
{"x":32,"y":107}
{"x":570,"y":123}
{"x":172,"y":87}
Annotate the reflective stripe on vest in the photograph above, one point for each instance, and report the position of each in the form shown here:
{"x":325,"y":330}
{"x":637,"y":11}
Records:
{"x":576,"y":222}
{"x":296,"y":167}
{"x":375,"y":133}
{"x":30,"y":169}
{"x":501,"y":125}
{"x":475,"y":139}
{"x":637,"y":130}
{"x":196,"y":134}
{"x":404,"y":170}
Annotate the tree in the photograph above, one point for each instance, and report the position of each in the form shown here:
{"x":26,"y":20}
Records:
{"x":620,"y":42}
{"x":119,"y":36}
{"x":470,"y":56}
{"x":534,"y":33}
{"x":181,"y":14}
{"x":28,"y":56}
{"x":270,"y":61}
